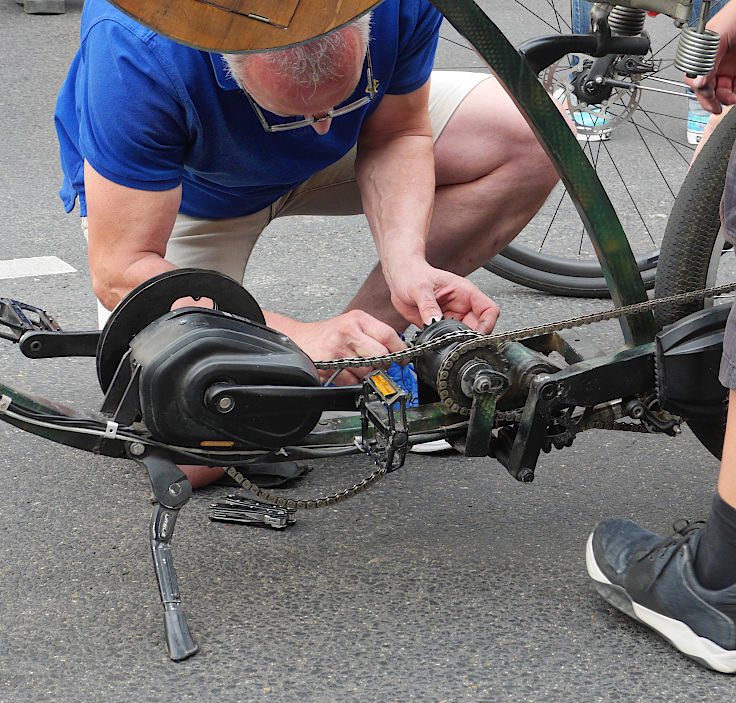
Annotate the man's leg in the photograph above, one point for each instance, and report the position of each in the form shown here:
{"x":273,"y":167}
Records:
{"x":492,"y":176}
{"x":683,"y":586}
{"x":581,"y":16}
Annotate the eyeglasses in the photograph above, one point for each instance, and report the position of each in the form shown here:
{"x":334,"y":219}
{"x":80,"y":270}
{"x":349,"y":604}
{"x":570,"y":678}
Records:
{"x":285,"y":126}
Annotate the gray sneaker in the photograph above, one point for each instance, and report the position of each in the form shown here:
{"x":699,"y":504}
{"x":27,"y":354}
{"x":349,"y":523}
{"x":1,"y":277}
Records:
{"x":651,"y":579}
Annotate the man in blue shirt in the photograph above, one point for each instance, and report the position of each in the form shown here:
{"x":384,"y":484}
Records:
{"x":175,"y":164}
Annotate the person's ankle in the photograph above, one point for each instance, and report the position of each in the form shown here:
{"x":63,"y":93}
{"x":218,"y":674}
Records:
{"x":715,"y":561}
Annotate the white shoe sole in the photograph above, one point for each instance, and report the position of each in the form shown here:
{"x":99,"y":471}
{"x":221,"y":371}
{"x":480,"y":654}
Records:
{"x":602,"y":136}
{"x":676,"y":632}
{"x":438,"y":445}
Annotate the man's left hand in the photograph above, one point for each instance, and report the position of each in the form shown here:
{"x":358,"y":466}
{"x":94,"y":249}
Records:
{"x":422,"y":293}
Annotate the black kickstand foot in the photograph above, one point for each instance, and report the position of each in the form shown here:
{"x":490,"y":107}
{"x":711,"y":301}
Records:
{"x":178,"y":638}
{"x":171,"y":490}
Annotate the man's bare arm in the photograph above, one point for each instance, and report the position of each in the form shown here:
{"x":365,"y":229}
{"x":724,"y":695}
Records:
{"x":128,"y":232}
{"x":395,"y":171}
{"x":396,"y":174}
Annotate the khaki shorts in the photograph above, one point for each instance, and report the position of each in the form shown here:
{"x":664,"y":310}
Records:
{"x":225,"y":245}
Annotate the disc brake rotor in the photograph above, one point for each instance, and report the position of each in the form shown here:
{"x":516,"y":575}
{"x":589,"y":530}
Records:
{"x":594,"y":120}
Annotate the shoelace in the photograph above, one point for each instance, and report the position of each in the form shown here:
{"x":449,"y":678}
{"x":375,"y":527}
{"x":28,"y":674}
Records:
{"x":682,"y":531}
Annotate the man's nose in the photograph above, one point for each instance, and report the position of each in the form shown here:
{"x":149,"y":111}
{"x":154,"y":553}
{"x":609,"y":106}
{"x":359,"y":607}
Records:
{"x":322,"y":125}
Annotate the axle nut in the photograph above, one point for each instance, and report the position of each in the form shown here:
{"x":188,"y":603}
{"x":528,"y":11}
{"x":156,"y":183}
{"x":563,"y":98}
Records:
{"x":137,"y":449}
{"x":225,"y":404}
{"x":549,"y":391}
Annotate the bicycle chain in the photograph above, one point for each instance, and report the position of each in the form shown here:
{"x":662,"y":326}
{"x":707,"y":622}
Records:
{"x":594,"y":424}
{"x":475,"y":341}
{"x":493,"y":340}
{"x":310,"y":503}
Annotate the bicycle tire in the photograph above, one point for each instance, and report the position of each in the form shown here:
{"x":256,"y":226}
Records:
{"x":691,"y":246}
{"x":507,"y":265}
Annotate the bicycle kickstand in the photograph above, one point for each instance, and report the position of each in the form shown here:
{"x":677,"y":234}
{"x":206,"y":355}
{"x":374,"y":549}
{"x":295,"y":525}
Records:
{"x":171,"y":490}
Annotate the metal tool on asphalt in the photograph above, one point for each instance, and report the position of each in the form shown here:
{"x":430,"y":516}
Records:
{"x":236,"y":508}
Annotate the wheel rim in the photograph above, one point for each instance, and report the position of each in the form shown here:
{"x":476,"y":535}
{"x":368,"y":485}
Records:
{"x":641,"y":166}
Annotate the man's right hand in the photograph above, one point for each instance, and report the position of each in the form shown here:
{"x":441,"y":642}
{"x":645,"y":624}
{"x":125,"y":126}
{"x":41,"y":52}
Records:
{"x":354,"y":333}
{"x":719,"y":86}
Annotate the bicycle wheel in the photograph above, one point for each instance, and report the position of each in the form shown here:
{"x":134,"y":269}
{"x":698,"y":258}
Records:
{"x":641,"y":165}
{"x":693,"y":255}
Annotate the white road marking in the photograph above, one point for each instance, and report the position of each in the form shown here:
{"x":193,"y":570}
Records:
{"x":34,"y":266}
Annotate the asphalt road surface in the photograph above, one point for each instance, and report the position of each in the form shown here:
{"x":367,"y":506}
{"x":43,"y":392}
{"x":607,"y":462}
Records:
{"x":448,"y":581}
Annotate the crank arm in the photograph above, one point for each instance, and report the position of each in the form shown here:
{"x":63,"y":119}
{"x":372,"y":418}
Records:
{"x":44,"y":344}
{"x":39,"y":335}
{"x":270,"y":400}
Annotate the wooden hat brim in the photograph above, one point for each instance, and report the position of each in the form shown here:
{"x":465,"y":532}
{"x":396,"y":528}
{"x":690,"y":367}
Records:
{"x":243,"y":25}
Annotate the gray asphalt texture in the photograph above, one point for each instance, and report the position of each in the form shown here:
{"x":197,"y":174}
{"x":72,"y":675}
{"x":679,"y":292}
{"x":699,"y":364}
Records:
{"x":448,"y":581}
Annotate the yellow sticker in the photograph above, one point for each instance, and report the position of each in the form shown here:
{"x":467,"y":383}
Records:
{"x":216,"y":443}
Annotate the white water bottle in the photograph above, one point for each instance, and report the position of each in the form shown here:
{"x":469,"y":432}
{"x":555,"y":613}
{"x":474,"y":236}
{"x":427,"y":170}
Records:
{"x":697,"y":117}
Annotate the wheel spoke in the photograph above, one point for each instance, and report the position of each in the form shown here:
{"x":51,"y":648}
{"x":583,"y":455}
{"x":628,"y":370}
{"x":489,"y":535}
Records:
{"x":657,"y":130}
{"x":561,"y":23}
{"x":552,"y":220}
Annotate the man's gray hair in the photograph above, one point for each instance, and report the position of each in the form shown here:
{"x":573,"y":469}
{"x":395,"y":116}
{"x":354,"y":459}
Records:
{"x":311,"y":63}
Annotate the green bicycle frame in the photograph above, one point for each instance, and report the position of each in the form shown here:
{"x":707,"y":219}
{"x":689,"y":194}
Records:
{"x":578,"y":175}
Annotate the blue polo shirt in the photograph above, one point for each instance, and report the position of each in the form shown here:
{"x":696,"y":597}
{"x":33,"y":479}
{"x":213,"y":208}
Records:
{"x":149,"y":113}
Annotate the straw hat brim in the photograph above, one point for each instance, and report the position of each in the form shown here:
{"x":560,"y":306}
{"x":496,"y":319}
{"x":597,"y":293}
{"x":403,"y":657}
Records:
{"x":243,"y":25}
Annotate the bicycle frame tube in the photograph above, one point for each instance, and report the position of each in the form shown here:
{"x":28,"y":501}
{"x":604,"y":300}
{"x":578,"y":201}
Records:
{"x":578,"y":175}
{"x":52,"y":420}
{"x":679,"y":10}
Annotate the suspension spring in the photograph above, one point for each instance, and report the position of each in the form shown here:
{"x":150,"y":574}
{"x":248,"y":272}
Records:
{"x":627,"y":21}
{"x":696,"y":51}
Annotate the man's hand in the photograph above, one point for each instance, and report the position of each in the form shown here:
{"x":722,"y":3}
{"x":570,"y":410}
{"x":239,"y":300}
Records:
{"x":422,"y":293}
{"x":353,"y":333}
{"x":719,"y":86}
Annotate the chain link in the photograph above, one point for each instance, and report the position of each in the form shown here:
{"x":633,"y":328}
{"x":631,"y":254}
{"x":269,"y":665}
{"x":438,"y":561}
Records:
{"x":309,"y":503}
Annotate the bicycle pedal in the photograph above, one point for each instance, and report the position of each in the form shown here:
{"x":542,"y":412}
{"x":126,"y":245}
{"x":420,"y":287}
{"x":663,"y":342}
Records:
{"x":245,"y":510}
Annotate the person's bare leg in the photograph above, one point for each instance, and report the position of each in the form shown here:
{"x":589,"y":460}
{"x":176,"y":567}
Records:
{"x":710,"y":125}
{"x":201,"y":475}
{"x":492,"y":176}
{"x":727,"y":475}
